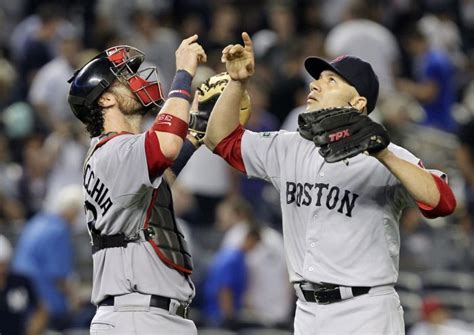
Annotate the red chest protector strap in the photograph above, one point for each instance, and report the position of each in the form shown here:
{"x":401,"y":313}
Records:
{"x":164,"y":234}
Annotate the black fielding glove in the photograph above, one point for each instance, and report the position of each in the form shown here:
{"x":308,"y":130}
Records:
{"x":342,"y":133}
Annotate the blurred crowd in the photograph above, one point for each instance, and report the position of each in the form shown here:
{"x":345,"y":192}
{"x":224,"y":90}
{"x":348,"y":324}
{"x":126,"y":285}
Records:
{"x":423,"y":54}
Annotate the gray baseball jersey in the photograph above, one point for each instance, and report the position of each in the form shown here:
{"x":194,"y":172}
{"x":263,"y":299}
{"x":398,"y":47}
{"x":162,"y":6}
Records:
{"x":118,"y":186}
{"x":340,"y":220}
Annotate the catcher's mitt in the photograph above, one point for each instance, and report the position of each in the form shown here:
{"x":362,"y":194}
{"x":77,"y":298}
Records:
{"x":342,"y":133}
{"x":208,"y":93}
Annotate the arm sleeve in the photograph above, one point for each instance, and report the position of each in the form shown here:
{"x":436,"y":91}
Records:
{"x":185,"y":154}
{"x":230,"y":149}
{"x":447,"y":202}
{"x":399,"y":194}
{"x":157,"y":162}
{"x":263,"y":153}
{"x":256,"y":154}
{"x":132,"y":163}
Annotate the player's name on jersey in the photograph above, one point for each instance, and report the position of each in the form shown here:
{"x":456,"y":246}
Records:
{"x":97,"y":190}
{"x":304,"y":194}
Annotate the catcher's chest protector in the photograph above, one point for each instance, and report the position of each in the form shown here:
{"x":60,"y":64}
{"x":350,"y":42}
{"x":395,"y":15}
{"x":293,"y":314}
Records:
{"x":160,"y":228}
{"x":163,"y":233}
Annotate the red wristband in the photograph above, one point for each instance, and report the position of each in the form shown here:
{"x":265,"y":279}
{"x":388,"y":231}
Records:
{"x":170,"y":124}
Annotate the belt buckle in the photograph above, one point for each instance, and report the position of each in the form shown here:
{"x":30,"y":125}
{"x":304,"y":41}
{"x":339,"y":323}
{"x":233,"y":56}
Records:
{"x":317,"y":297}
{"x":184,"y":308}
{"x":173,"y":307}
{"x":176,"y":307}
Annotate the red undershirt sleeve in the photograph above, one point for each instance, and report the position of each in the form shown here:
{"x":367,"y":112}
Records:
{"x":230,"y":149}
{"x":446,"y":204}
{"x":156,"y":161}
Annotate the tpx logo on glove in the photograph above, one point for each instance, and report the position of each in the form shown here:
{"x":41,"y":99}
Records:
{"x":340,"y":134}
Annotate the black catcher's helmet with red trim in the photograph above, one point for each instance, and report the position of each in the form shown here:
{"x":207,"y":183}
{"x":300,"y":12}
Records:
{"x":121,"y":63}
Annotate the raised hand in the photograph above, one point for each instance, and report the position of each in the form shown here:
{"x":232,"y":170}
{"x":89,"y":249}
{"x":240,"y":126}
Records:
{"x":239,"y":60}
{"x":189,"y":55}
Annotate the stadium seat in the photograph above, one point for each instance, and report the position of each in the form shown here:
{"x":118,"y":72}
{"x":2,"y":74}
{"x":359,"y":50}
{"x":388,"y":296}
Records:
{"x":448,"y":280}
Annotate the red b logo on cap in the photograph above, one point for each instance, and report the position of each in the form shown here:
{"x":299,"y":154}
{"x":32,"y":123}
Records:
{"x":337,"y":59}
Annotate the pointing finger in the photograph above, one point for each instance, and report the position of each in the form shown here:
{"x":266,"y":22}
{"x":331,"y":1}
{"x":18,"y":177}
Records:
{"x":190,"y":39}
{"x":247,"y":40}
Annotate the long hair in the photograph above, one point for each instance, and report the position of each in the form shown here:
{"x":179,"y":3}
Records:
{"x":94,"y":121}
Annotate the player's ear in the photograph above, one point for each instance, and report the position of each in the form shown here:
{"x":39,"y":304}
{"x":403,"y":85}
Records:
{"x":359,"y":103}
{"x":106,"y":100}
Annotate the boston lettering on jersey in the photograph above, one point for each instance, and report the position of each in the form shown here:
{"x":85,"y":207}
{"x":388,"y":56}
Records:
{"x":333,"y":197}
{"x":97,"y":190}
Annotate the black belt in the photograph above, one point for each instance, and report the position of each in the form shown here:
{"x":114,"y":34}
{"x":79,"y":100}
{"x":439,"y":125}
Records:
{"x":155,"y":301}
{"x":328,"y":293}
{"x":100,"y":242}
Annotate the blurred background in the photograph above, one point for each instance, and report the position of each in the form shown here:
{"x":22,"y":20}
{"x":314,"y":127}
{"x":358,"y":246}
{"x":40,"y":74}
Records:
{"x":423,"y":54}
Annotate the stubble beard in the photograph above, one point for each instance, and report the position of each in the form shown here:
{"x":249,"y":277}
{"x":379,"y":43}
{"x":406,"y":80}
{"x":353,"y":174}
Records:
{"x":130,"y":106}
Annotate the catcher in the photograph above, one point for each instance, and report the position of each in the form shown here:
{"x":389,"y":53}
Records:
{"x":142,"y":265}
{"x":340,"y":208}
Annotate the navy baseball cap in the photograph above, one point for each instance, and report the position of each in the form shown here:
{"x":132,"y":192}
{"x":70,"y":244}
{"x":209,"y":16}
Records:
{"x":354,"y":70}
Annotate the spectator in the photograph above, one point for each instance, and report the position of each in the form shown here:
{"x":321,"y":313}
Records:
{"x":227,"y":281}
{"x":45,"y":253}
{"x":433,"y":86}
{"x":38,"y":45}
{"x":49,"y":89}
{"x":158,"y":42}
{"x":268,"y":296}
{"x":233,"y":215}
{"x":32,"y":184}
{"x":65,"y":149}
{"x":362,"y":35}
{"x":261,"y":120}
{"x":208,"y":178}
{"x":21,"y":311}
{"x":436,"y":320}
{"x":11,"y":210}
{"x":223,"y":29}
{"x":465,"y":160}
{"x":442,"y":32}
{"x":282,"y":22}
{"x":8,"y":76}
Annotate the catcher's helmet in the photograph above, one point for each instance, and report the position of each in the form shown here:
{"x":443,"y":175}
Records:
{"x":122,"y":63}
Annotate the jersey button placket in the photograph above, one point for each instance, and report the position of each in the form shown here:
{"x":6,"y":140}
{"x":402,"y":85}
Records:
{"x":312,"y":236}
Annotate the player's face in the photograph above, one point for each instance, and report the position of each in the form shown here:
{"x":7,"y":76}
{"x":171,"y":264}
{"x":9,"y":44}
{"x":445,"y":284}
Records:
{"x":329,"y":90}
{"x":127,"y":101}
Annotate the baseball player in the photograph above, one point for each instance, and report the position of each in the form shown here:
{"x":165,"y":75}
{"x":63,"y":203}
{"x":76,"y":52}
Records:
{"x":142,"y":267}
{"x":340,"y":207}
